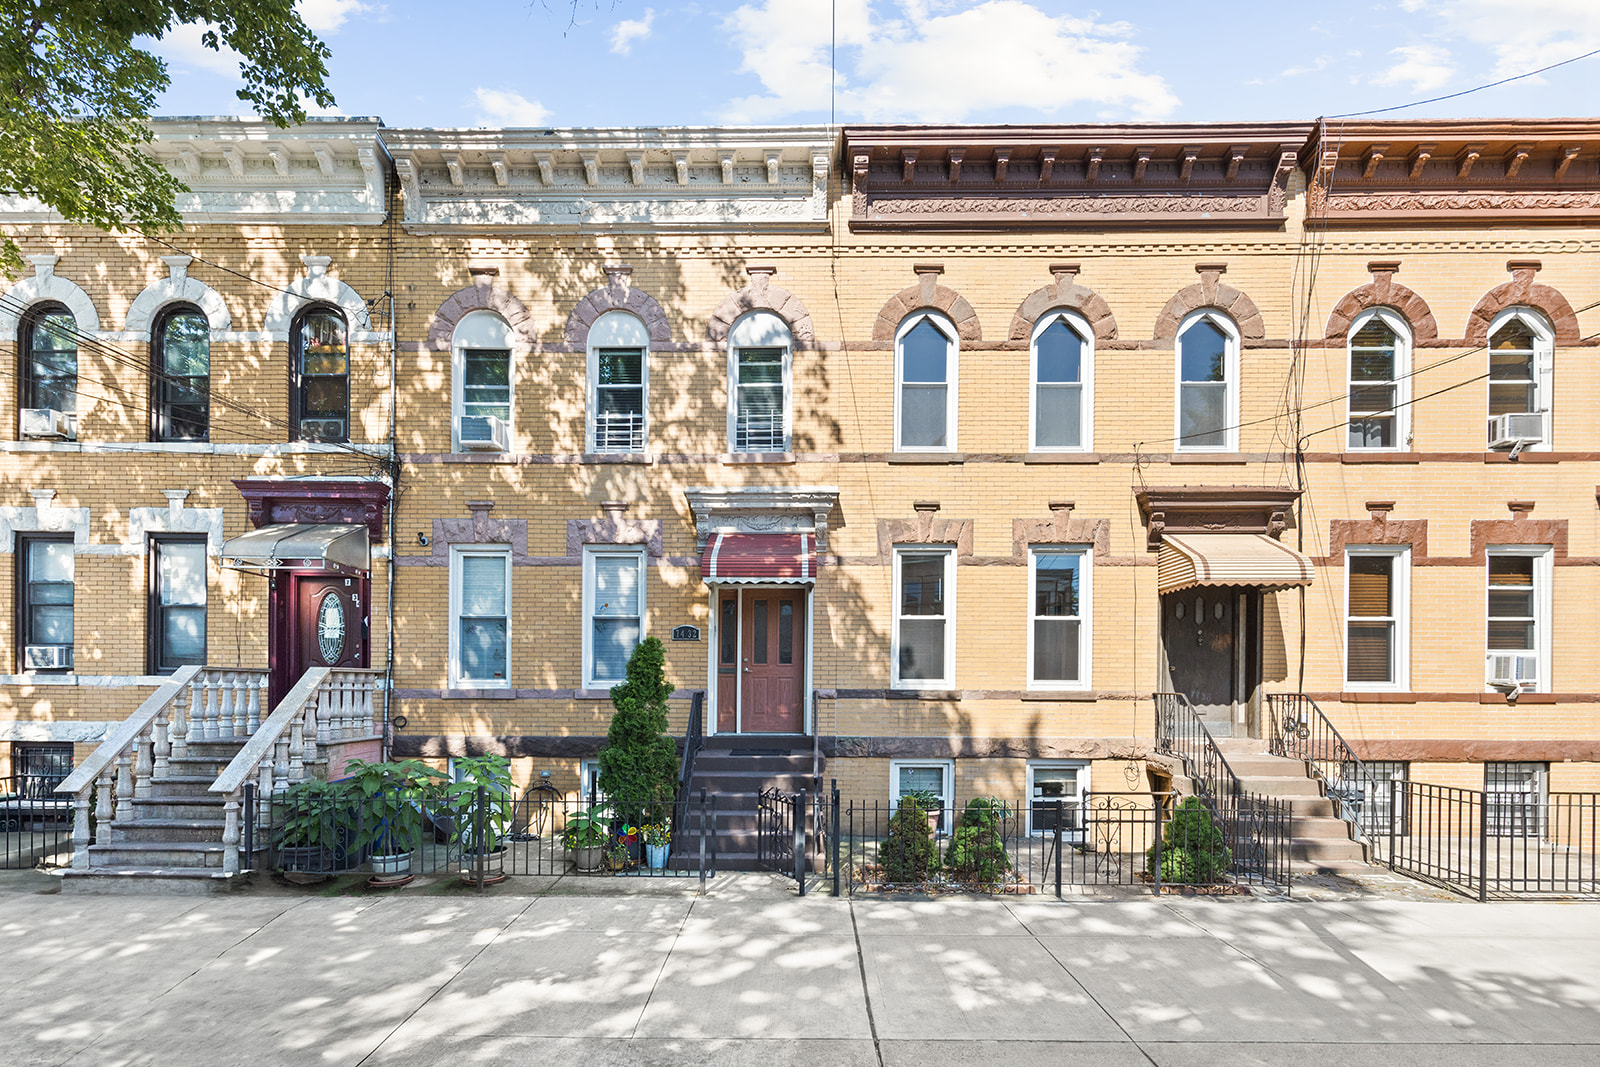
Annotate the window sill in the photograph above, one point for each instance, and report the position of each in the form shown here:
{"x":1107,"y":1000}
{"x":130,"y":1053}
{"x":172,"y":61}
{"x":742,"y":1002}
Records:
{"x":643,"y":459}
{"x":590,"y":693}
{"x":1525,"y":698}
{"x":1541,"y":454}
{"x":1061,"y":457}
{"x":757,"y":459}
{"x":1078,"y":696}
{"x":1378,"y":696}
{"x":922,"y":694}
{"x":1216,"y":459}
{"x":1379,"y":457}
{"x":928,"y":458}
{"x":466,"y":692}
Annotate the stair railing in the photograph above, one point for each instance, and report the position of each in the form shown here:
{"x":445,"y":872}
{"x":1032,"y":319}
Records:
{"x":327,"y":705}
{"x":1181,"y":733}
{"x":196,"y":704}
{"x":1302,"y":732}
{"x":694,"y":738}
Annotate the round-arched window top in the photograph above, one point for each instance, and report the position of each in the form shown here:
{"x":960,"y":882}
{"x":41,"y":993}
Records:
{"x":760,"y":329}
{"x":618,"y":329}
{"x":482,"y":329}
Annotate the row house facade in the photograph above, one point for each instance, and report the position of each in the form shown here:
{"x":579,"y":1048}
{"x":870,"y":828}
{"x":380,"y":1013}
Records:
{"x":937,"y":450}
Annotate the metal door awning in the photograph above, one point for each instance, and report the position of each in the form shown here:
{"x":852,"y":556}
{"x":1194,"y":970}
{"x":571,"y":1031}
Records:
{"x":759,"y":559}
{"x":338,"y":549}
{"x":1230,"y":559}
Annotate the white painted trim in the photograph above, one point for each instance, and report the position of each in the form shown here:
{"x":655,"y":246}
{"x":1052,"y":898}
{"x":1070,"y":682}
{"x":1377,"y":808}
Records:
{"x":43,"y":286}
{"x":948,"y":681}
{"x":177,"y":288}
{"x":589,"y":554}
{"x":319,"y":287}
{"x":203,"y":448}
{"x":1230,"y":330}
{"x":1085,"y":332}
{"x":45,"y":520}
{"x":457,"y":553}
{"x":952,"y":377}
{"x":1402,"y":376}
{"x":1400,"y":591}
{"x":1084,"y":771}
{"x":945,"y":767}
{"x":762,"y":329}
{"x":1544,"y":339}
{"x":616,"y":329}
{"x":462,"y":338}
{"x":1085,"y":555}
{"x":1544,"y":558}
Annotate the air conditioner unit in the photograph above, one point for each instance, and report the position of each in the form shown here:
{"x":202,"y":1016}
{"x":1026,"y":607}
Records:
{"x":1511,"y":430}
{"x":1513,"y":670}
{"x":322,"y":429}
{"x":484,"y":433}
{"x":47,"y":657}
{"x":47,"y":423}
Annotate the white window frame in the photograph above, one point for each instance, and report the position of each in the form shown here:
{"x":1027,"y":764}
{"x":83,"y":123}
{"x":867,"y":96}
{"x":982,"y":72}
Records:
{"x":458,"y":553}
{"x":1401,"y":380}
{"x":1230,"y":331}
{"x":590,"y":554}
{"x":1400,"y":605}
{"x":1085,"y":556}
{"x":589,"y":772}
{"x":948,"y":681}
{"x":952,"y":377}
{"x":1083,"y":768}
{"x":1543,"y":604}
{"x":1502,"y":815}
{"x":760,"y":329}
{"x":1544,"y":339}
{"x":617,"y":329}
{"x":482,"y":330}
{"x":1085,"y":332}
{"x":947,"y":770}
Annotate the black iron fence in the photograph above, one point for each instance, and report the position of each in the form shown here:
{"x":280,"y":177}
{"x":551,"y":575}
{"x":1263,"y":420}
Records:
{"x":1301,"y":731}
{"x":793,"y":833}
{"x":35,"y":822}
{"x":1494,"y":844}
{"x":483,"y":837}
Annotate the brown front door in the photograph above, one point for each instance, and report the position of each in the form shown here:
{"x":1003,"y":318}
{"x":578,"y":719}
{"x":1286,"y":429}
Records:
{"x":1198,"y":636}
{"x":761,"y":657}
{"x":326,"y":621}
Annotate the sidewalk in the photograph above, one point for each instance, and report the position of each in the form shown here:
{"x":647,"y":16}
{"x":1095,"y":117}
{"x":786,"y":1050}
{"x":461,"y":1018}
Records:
{"x":748,"y":974}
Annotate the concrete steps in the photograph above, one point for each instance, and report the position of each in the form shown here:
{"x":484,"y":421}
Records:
{"x":738,"y":769}
{"x":1320,"y":839}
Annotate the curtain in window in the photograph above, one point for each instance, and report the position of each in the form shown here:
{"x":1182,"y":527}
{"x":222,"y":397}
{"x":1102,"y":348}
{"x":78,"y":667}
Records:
{"x":181,"y":600}
{"x":482,"y":638}
{"x":183,"y":404}
{"x":616,"y":616}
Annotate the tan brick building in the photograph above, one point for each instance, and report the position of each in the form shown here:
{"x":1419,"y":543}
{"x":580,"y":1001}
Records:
{"x":944,"y":447}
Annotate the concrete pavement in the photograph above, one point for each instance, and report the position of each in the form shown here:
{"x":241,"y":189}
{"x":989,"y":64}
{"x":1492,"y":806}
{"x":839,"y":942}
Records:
{"x":748,"y":974}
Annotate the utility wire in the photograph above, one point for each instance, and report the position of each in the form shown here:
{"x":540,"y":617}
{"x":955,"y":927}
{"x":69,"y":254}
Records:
{"x":1465,"y":92}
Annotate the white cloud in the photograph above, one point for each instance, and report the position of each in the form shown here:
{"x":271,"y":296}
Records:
{"x":181,"y":47}
{"x":502,"y":107}
{"x":1424,"y":67}
{"x":1524,"y":35}
{"x":326,"y":16}
{"x":624,"y":33}
{"x":938,"y":61}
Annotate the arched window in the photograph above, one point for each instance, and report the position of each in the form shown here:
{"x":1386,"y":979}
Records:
{"x":180,"y":406}
{"x":322,"y":377}
{"x":49,"y":371}
{"x":1208,"y":376}
{"x":619,"y":381}
{"x":480,"y":351}
{"x":925,"y":361}
{"x":1521,"y":357}
{"x":1380,"y":381}
{"x":759,"y":371}
{"x":1062,"y":361}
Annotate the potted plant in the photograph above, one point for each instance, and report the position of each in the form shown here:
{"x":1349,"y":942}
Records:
{"x":585,"y":837}
{"x":617,"y":856}
{"x":317,"y":831}
{"x":657,"y":836}
{"x":639,"y":763}
{"x":392,"y":796}
{"x":481,"y":832}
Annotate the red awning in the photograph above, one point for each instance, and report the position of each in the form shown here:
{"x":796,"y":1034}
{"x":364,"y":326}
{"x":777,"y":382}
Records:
{"x":759,"y":559}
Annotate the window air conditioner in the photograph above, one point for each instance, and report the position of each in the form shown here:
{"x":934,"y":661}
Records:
{"x":1513,"y":670}
{"x":484,"y":433}
{"x":48,"y":422}
{"x":47,"y":657}
{"x":322,"y":429}
{"x":1509,"y":431}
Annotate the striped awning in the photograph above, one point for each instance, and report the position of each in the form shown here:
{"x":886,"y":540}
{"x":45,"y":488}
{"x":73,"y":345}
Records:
{"x":1229,"y":559}
{"x":759,"y":559}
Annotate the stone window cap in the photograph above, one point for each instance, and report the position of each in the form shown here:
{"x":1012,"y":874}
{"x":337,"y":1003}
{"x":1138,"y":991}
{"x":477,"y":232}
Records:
{"x":762,"y":509}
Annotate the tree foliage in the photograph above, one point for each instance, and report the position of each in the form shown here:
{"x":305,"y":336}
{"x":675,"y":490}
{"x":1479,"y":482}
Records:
{"x":1194,"y":850}
{"x":908,"y":852}
{"x":76,"y":91}
{"x":639,"y":763}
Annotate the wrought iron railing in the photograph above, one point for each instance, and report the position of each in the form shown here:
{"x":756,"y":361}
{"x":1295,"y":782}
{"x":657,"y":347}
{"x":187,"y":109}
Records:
{"x":1181,"y":733}
{"x":618,"y":431}
{"x":760,"y":431}
{"x":1302,"y":732}
{"x":35,"y":822}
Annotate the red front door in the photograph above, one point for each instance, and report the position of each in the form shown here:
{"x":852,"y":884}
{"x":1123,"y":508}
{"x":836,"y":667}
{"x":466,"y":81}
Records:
{"x":323,"y":621}
{"x":772,"y":661}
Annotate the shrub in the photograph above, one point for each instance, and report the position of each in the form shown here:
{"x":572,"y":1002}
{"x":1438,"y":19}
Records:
{"x":908,"y":852}
{"x":639,"y":763}
{"x":1193,"y":849}
{"x":977,"y":851}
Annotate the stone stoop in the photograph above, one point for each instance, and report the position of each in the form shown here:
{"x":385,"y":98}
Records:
{"x":173,"y":842}
{"x":1321,"y":839}
{"x":737,"y":769}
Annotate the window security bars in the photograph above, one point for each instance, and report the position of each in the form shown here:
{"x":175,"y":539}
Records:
{"x":758,"y":431}
{"x":619,"y":431}
{"x":35,"y":821}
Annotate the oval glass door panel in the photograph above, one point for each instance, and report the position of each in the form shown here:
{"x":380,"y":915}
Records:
{"x":330,"y":628}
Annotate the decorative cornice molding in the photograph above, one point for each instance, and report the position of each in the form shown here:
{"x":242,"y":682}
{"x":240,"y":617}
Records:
{"x":1215,"y":509}
{"x":926,"y":295}
{"x":1209,"y":292}
{"x":1064,"y":292}
{"x":1523,"y":291}
{"x":274,"y":500}
{"x":618,"y":294}
{"x":1383,"y":291}
{"x":761,"y":295}
{"x":762,"y":509}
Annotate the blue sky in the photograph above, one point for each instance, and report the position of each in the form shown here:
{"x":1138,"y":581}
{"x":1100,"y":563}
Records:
{"x":655,"y":62}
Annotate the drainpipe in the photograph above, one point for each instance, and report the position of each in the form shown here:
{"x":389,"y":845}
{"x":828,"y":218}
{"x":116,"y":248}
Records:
{"x":394,"y":543}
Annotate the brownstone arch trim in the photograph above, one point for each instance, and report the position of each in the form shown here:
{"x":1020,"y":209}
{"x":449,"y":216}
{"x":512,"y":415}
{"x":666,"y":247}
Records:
{"x":927,"y":295}
{"x":1209,"y":292}
{"x":1523,"y":291}
{"x":479,"y":296}
{"x":1383,"y":291}
{"x":761,"y":295}
{"x":618,"y":294}
{"x":1064,"y":292}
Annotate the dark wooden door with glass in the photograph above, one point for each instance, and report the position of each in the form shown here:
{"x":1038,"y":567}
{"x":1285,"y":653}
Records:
{"x":326,"y":625}
{"x":761,"y":637}
{"x":1198,"y":637}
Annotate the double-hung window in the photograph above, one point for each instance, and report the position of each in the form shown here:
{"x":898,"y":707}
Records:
{"x":924,"y":619}
{"x":49,"y":349}
{"x":322,"y":377}
{"x":177,"y":614}
{"x":480,"y":617}
{"x":929,"y":783}
{"x":1377,"y":579}
{"x":1063,"y":371}
{"x":1058,"y":624}
{"x":758,"y":384}
{"x":1521,"y":347}
{"x":1208,"y":382}
{"x":925,"y":353}
{"x":481,"y":356}
{"x":44,"y":602}
{"x":619,"y":380}
{"x":613,"y":610}
{"x":1519,"y":617}
{"x":1057,"y":782}
{"x":1380,"y":364}
{"x":181,"y":410}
